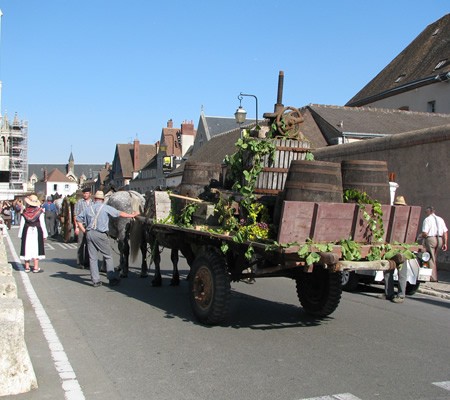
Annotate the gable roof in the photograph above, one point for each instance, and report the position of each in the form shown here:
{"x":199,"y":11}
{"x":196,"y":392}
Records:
{"x":89,"y":170}
{"x":57,"y":176}
{"x":334,"y":121}
{"x":415,"y":66}
{"x":169,"y":136}
{"x":125,"y":154}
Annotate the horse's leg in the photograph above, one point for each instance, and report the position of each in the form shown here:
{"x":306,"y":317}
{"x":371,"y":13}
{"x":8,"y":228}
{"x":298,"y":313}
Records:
{"x":144,"y":266}
{"x":175,"y":274}
{"x":157,"y":279}
{"x":190,"y":257}
{"x":124,"y":257}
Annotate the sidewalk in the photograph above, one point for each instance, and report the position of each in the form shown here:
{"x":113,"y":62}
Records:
{"x":439,"y":289}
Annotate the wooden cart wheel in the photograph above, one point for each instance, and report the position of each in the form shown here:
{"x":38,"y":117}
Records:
{"x":210,"y":289}
{"x":320,"y":291}
{"x":288,"y":122}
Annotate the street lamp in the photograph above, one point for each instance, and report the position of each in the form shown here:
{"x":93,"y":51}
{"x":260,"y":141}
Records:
{"x":240,"y":113}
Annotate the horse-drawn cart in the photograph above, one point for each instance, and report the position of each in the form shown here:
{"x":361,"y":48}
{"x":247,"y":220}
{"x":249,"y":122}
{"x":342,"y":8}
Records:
{"x":310,"y":249}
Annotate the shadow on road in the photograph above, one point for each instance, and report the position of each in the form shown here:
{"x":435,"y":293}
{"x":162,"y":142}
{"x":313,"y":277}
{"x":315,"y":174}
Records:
{"x":246,"y":311}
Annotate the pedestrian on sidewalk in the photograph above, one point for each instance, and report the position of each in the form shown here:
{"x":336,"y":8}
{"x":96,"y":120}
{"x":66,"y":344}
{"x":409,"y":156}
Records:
{"x":435,"y":234}
{"x":33,"y":232}
{"x":6,"y":213}
{"x":402,"y":273}
{"x":94,"y":223}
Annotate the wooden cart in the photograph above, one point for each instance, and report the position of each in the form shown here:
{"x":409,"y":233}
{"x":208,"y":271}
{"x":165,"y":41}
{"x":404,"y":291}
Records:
{"x":318,"y":285}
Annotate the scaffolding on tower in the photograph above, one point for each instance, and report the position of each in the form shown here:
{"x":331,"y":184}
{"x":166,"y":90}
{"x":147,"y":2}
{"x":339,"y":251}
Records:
{"x":18,"y":154}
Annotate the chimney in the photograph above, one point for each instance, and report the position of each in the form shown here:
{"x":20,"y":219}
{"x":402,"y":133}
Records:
{"x":170,"y":123}
{"x":187,"y":136}
{"x":45,"y":175}
{"x":187,"y":128}
{"x":136,"y":164}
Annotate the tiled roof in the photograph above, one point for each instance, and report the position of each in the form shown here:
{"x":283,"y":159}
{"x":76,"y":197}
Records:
{"x":415,"y":65}
{"x":89,"y":170}
{"x":126,"y":154}
{"x":334,"y":120}
{"x":57,"y":176}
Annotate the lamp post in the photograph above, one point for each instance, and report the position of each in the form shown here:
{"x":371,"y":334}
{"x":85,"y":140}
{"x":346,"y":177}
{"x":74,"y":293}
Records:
{"x":240,"y":113}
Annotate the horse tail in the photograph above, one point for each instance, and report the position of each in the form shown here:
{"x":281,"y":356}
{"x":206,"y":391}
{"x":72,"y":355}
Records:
{"x":136,"y":237}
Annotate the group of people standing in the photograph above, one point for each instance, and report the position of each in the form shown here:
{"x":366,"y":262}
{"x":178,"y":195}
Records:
{"x":91,"y":220}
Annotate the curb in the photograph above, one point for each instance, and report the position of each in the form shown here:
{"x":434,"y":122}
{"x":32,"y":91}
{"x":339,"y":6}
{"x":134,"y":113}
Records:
{"x":434,"y":293}
{"x":16,"y":370}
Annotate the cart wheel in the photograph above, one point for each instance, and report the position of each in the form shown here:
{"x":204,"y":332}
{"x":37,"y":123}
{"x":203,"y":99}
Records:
{"x":411,"y":289}
{"x":210,"y":289}
{"x":349,"y":281}
{"x":320,"y":291}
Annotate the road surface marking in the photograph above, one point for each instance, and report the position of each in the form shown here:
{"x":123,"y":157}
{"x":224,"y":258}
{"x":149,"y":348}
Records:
{"x":70,"y":385}
{"x":443,"y":385}
{"x":342,"y":396}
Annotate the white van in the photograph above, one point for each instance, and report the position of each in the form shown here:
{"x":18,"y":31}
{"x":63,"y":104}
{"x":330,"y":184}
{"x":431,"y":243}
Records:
{"x":418,"y":271}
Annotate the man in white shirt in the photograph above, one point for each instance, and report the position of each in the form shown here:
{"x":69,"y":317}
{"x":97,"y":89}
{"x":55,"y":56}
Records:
{"x":435,"y":234}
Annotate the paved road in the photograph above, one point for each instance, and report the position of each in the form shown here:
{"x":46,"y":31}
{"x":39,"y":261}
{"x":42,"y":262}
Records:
{"x":137,"y":342}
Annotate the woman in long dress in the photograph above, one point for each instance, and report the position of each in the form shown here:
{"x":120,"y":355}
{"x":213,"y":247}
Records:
{"x":32,"y":231}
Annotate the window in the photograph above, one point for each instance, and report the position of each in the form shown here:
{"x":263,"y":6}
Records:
{"x":440,"y":64}
{"x":431,"y":106}
{"x":66,"y":186}
{"x":55,"y":187}
{"x":399,"y":78}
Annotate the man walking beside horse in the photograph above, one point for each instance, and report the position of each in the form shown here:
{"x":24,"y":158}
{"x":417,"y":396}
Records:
{"x":93,"y":222}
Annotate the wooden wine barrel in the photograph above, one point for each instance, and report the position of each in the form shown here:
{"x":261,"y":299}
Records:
{"x":318,"y":181}
{"x":272,"y":179}
{"x":369,"y":176}
{"x":196,"y":176}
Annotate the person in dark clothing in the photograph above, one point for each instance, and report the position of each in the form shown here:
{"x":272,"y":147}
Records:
{"x":50,"y":217}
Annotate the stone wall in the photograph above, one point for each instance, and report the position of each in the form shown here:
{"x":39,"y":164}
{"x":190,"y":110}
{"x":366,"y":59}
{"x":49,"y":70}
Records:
{"x":16,"y":371}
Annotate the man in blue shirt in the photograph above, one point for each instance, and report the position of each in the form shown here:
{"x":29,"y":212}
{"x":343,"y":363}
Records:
{"x":93,"y":221}
{"x":50,"y":217}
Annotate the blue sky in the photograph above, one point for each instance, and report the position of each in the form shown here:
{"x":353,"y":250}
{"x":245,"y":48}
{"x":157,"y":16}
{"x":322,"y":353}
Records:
{"x":88,"y":74}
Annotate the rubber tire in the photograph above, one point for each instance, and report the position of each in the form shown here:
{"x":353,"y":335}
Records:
{"x":320,"y":291}
{"x":349,"y":281}
{"x":411,"y":289}
{"x":209,"y":274}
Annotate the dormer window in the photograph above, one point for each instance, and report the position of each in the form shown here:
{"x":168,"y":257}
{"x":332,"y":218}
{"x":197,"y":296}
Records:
{"x":440,"y":64}
{"x":399,"y":78}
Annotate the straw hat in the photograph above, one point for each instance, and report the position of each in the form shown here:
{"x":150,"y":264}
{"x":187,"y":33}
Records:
{"x":400,"y":201}
{"x":99,"y":195}
{"x":32,"y":200}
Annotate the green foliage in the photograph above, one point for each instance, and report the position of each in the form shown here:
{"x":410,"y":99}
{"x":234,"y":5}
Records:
{"x":350,"y":250}
{"x":247,"y":163}
{"x":185,"y":217}
{"x":309,"y":156}
{"x":375,"y":219}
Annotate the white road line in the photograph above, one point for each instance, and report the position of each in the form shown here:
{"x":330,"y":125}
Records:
{"x":342,"y":396}
{"x":444,"y":385}
{"x":70,"y":385}
{"x":66,"y":246}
